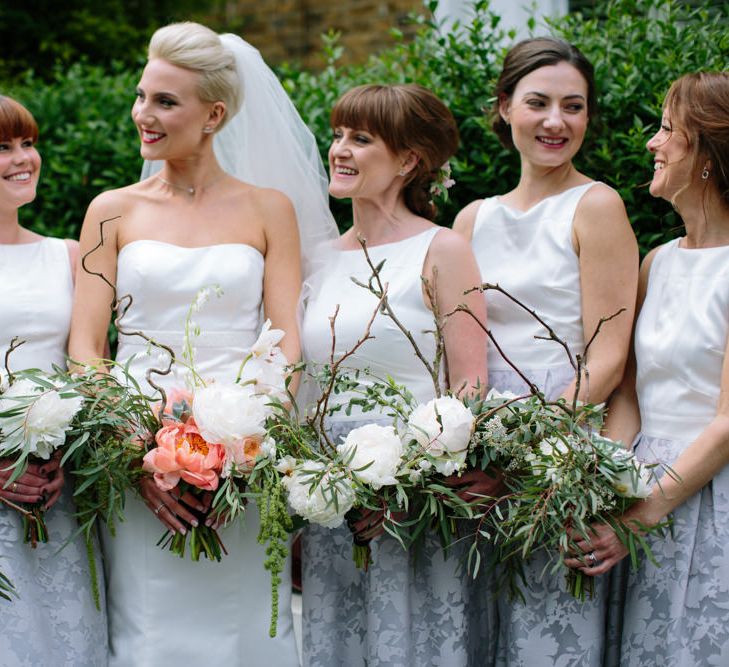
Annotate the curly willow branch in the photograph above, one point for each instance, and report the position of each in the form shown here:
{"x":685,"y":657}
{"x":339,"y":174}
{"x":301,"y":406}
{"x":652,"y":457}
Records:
{"x":15,"y":343}
{"x":119,"y":308}
{"x":381,"y":291}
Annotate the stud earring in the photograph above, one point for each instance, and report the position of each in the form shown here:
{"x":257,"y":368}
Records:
{"x":705,"y":174}
{"x":402,"y":172}
{"x":207,"y":130}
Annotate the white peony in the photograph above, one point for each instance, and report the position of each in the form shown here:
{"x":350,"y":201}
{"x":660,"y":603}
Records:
{"x":377,"y":447}
{"x":41,"y":427}
{"x":317,"y":504}
{"x":443,"y":427}
{"x":228,"y":413}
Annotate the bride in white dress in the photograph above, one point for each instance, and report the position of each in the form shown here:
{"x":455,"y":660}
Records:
{"x":193,"y":225}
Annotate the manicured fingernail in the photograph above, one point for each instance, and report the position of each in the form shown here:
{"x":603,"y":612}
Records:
{"x":194,"y":522}
{"x":183,"y":531}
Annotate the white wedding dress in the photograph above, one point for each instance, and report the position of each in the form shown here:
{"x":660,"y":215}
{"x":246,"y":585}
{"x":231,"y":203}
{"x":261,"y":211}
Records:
{"x":165,"y":610}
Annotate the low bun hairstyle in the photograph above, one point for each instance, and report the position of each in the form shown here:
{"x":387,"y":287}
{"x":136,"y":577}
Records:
{"x":407,"y":117}
{"x":199,"y":49}
{"x":527,"y":56}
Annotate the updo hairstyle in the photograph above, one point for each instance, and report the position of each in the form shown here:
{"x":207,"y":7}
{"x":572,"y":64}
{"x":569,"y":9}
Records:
{"x":16,"y":121}
{"x":698,"y":106}
{"x":407,"y":117}
{"x":199,"y":49}
{"x":530,"y":55}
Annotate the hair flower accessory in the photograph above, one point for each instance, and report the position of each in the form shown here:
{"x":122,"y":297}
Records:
{"x":443,"y":181}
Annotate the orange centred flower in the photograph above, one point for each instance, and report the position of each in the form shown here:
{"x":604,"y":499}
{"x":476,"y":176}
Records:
{"x":182,"y":453}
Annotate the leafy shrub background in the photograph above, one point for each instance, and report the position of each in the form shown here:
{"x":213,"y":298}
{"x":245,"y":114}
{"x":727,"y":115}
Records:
{"x":637,"y":46}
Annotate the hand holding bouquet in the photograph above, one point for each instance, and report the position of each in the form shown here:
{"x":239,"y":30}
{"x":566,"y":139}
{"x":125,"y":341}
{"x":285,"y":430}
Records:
{"x":36,"y":415}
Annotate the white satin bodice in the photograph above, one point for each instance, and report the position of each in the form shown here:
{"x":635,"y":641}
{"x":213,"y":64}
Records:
{"x":164,"y":281}
{"x":680,"y":340}
{"x":36,"y":308}
{"x":530,"y":254}
{"x":388,"y":352}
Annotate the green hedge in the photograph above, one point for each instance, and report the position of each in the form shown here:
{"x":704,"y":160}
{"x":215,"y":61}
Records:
{"x":638,"y":47}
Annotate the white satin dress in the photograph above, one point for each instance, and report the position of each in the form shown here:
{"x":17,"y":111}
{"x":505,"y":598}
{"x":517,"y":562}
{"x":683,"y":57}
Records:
{"x":165,"y":610}
{"x":53,"y":621}
{"x":404,"y":610}
{"x":531,"y":255}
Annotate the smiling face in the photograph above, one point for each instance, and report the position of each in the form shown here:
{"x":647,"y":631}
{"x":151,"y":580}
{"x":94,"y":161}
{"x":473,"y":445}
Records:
{"x":362,"y":165}
{"x":547,"y":113}
{"x":672,"y":163}
{"x":169,"y":113}
{"x":19,"y":170}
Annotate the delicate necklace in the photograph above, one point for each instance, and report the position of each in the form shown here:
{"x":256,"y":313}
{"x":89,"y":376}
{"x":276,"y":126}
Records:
{"x":189,"y":189}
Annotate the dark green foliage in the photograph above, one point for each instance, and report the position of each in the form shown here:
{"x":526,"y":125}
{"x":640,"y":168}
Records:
{"x":638,"y":47}
{"x":87,"y":141}
{"x":41,"y":34}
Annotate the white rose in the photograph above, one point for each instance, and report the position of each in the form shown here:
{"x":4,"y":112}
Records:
{"x":229,"y":413}
{"x":633,"y":482}
{"x":317,"y":504}
{"x":450,"y":435}
{"x":41,"y":427}
{"x":377,"y":447}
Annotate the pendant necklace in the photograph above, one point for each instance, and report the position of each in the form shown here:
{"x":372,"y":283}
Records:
{"x":189,"y":189}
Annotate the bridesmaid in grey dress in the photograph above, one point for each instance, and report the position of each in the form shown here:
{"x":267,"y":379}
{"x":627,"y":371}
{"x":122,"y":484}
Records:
{"x":53,"y":621}
{"x":561,"y":243}
{"x":388,"y":147}
{"x":676,"y":396}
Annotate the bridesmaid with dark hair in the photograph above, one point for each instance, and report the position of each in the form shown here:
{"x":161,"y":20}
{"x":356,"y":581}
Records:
{"x":53,"y":620}
{"x":562,"y":244}
{"x":675,"y":396}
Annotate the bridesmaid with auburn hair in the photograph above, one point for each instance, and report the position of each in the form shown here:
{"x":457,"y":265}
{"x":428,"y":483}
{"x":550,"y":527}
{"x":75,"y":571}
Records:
{"x":53,"y":620}
{"x":675,"y":397}
{"x":388,"y":146}
{"x":562,"y":244}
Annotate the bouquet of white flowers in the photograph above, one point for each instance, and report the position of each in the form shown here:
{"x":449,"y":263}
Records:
{"x":36,"y":414}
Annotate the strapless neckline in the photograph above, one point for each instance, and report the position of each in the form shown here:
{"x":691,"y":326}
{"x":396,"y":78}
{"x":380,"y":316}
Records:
{"x":192,"y":248}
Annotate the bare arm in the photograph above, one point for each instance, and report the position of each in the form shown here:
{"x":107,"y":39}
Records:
{"x":700,"y":462}
{"x":608,"y":255}
{"x":623,"y":416}
{"x":93,"y":296}
{"x":451,"y":258}
{"x":282,"y":272}
{"x":466,"y":218}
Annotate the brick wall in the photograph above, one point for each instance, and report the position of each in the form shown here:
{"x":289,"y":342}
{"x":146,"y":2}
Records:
{"x":289,"y":30}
